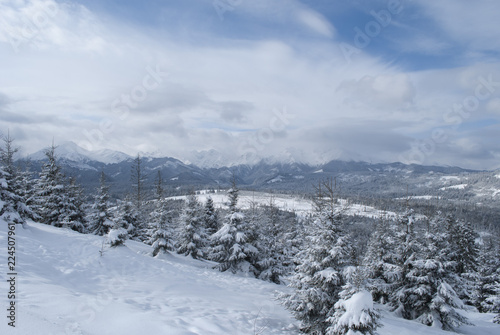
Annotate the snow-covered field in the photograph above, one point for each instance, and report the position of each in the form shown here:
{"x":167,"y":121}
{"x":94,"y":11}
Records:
{"x":299,"y":205}
{"x":65,"y":286}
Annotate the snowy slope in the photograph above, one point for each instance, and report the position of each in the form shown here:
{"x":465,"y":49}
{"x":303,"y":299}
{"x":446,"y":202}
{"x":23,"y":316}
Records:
{"x":65,"y":287}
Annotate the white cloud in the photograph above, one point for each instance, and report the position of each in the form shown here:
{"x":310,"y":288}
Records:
{"x":472,"y":24}
{"x":316,"y":22}
{"x":218,"y":92}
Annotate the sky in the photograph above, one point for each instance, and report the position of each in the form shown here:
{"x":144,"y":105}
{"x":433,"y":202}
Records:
{"x":237,"y":81}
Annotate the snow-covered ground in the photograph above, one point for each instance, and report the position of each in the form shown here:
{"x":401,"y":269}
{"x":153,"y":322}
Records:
{"x":299,"y":205}
{"x":65,"y":286}
{"x":454,"y":187}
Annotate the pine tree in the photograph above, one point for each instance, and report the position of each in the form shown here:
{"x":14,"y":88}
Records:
{"x":406,"y":244}
{"x":463,"y":256}
{"x":487,"y":293}
{"x":14,"y":178}
{"x":127,"y":214}
{"x":117,"y":235}
{"x":27,"y":191}
{"x":353,"y":313}
{"x":8,"y":200}
{"x":101,"y":218}
{"x":425,"y":293}
{"x":210,"y":218}
{"x":272,"y":261}
{"x":192,"y":237}
{"x":74,"y":214}
{"x":50,"y":191}
{"x":160,"y":229}
{"x":230,"y":243}
{"x":318,"y":279}
{"x":381,"y":262}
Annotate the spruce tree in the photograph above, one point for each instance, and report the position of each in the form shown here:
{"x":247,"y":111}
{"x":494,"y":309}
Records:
{"x":425,"y":293}
{"x":160,"y":229}
{"x":210,"y":218}
{"x":74,"y":214}
{"x":381,"y":262}
{"x":51,"y":191}
{"x":14,"y":177}
{"x":487,"y":293}
{"x":127,"y":214}
{"x":230,"y":245}
{"x":319,"y":277}
{"x":101,"y":218}
{"x":406,"y":247}
{"x":272,"y":261}
{"x":8,"y":200}
{"x":463,"y":254}
{"x":354,"y":312}
{"x":117,"y":235}
{"x":192,"y":236}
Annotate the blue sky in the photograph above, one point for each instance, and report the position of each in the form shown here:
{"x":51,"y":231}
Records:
{"x":286,"y":80}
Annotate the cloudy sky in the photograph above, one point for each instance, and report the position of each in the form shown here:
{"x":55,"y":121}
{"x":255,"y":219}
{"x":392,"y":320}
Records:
{"x":379,"y":81}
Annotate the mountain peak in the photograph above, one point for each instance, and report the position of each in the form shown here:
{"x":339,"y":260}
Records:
{"x":71,"y":151}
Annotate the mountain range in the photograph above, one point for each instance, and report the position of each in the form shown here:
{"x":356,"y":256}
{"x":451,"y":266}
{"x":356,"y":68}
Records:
{"x":388,"y":180}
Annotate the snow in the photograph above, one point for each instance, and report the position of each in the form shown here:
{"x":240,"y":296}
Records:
{"x":277,"y":179}
{"x":319,"y":171}
{"x":455,"y":187}
{"x":66,"y":287}
{"x":301,"y":206}
{"x":447,"y":178}
{"x":355,"y":305}
{"x":498,"y":176}
{"x":71,"y":151}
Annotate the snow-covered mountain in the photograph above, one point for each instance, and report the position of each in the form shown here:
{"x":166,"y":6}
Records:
{"x":213,"y":169}
{"x":72,"y":152}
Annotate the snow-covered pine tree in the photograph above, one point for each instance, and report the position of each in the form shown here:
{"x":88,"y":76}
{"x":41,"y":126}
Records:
{"x":273,"y":258}
{"x":50,"y":191}
{"x":100,"y":221}
{"x":354,"y":312}
{"x":160,"y":229}
{"x":117,"y":235}
{"x":74,"y":214}
{"x":127,"y":214}
{"x":230,"y":245}
{"x":463,"y":256}
{"x":192,"y":236}
{"x":380,"y":261}
{"x":14,"y":177}
{"x":318,"y":279}
{"x":406,"y":247}
{"x":8,"y":200}
{"x":27,"y":191}
{"x":210,"y":217}
{"x":487,"y":292}
{"x":426,"y":294}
